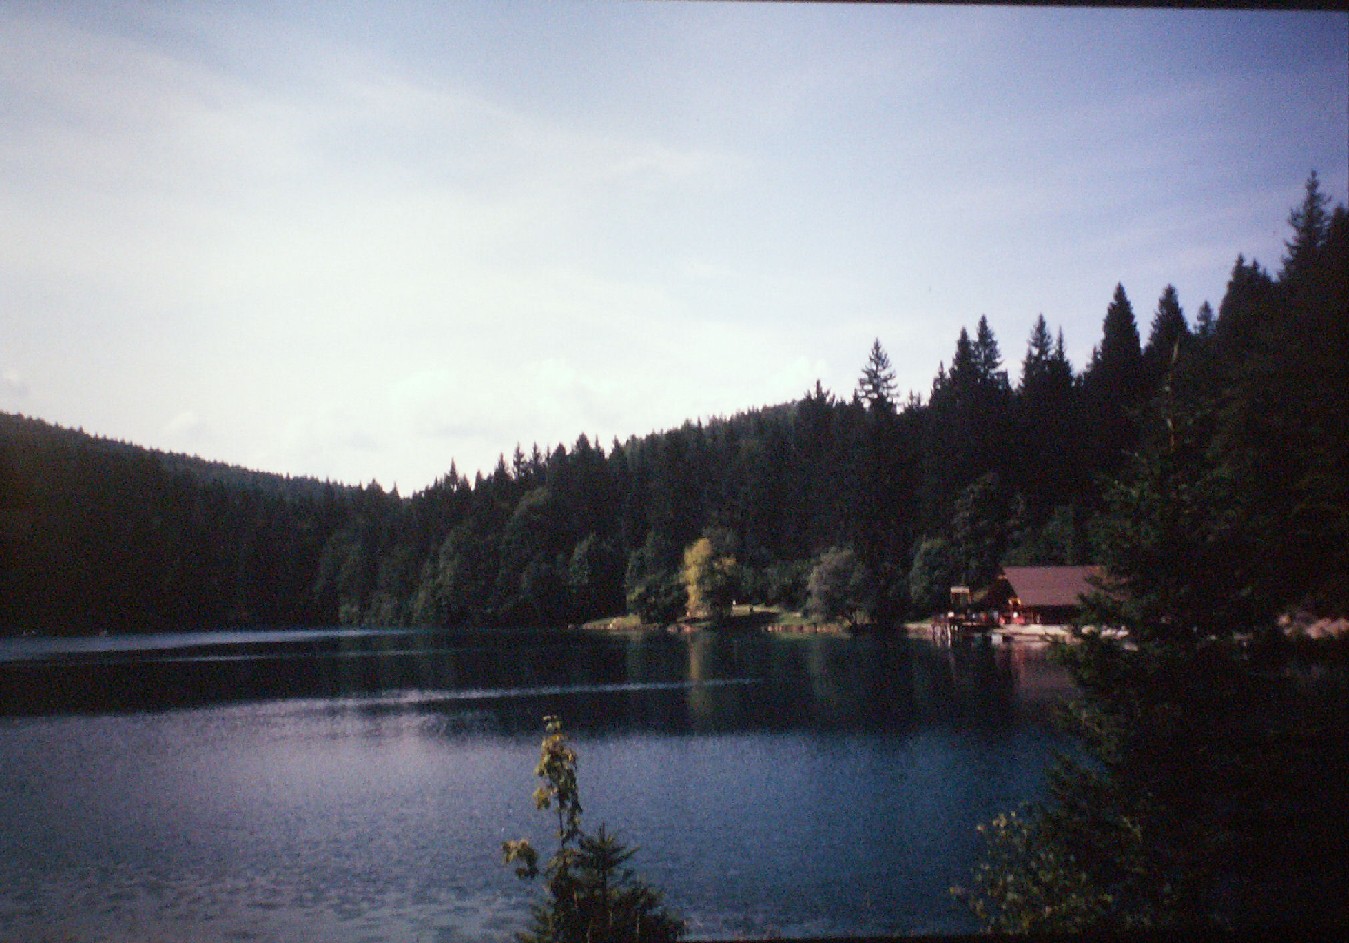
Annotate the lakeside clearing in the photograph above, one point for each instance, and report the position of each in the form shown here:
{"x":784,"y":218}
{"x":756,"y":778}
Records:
{"x":775,"y":619}
{"x":743,"y":618}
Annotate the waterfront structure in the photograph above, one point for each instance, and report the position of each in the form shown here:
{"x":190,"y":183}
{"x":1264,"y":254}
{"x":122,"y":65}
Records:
{"x":1040,"y":595}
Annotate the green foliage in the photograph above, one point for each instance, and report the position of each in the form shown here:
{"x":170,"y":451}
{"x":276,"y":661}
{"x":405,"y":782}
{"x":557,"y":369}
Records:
{"x":979,"y":529}
{"x":935,"y":570}
{"x":655,"y":590}
{"x":1113,"y":386}
{"x":1055,"y":543}
{"x":710,"y":576}
{"x":592,"y":897}
{"x":659,"y":599}
{"x":1026,"y":884}
{"x":594,"y":579}
{"x":780,"y":583}
{"x":1311,"y":227}
{"x":838,"y":587}
{"x":1171,"y":539}
{"x":1208,"y":789}
{"x":968,"y":430}
{"x":1169,"y":335}
{"x":1207,"y":795}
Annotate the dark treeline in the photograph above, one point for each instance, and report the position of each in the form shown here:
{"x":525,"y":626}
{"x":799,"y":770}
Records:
{"x":1001,"y":462}
{"x":1206,"y":790}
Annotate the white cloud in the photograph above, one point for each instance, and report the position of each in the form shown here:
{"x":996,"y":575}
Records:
{"x":185,"y":426}
{"x":13,"y":385}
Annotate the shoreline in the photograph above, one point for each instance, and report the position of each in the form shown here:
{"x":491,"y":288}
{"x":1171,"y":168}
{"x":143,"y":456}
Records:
{"x":769,"y":621}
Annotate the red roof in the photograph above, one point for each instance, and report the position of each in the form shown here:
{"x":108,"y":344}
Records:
{"x":1050,"y":585}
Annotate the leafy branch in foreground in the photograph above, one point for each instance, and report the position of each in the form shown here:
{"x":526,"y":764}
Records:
{"x":592,"y":897}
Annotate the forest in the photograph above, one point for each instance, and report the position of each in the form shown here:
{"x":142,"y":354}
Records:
{"x":1244,"y":412}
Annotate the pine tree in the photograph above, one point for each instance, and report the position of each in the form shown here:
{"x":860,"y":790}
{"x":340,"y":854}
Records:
{"x":987,"y":357}
{"x":876,"y":387}
{"x":1168,"y":336}
{"x":1243,"y":314}
{"x":1115,"y":364}
{"x":1039,"y":352}
{"x":1114,"y":384}
{"x":1204,"y":322}
{"x":1311,"y":225}
{"x":1046,"y":420}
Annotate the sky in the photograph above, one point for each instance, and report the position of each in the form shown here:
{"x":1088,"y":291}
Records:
{"x":359,"y":241}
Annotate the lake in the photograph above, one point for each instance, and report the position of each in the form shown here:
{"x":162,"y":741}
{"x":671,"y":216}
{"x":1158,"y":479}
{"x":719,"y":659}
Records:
{"x":355,"y":786}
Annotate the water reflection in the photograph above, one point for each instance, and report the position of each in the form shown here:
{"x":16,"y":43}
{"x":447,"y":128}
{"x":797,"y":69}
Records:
{"x":679,"y":681}
{"x":358,"y":787}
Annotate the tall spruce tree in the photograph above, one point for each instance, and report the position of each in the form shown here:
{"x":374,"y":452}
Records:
{"x":1115,"y":363}
{"x":1046,"y":422}
{"x":1114,"y":385}
{"x":1204,"y":322}
{"x":1168,"y":335}
{"x":1244,"y":312}
{"x":1311,"y":225}
{"x":876,"y":387}
{"x":987,"y":356}
{"x":1039,"y":350}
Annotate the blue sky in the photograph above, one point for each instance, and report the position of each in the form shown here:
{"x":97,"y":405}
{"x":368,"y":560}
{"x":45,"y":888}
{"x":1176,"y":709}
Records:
{"x":358,"y":241}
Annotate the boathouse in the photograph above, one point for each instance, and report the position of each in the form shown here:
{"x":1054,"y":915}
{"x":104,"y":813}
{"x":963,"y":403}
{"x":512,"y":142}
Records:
{"x":1040,"y":595}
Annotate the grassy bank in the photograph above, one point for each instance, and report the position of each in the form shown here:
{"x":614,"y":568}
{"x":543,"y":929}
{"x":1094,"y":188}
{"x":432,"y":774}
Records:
{"x":743,"y":618}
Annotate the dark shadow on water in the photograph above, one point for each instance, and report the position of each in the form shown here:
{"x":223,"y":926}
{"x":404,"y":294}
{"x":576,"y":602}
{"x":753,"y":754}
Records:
{"x":707,"y":681}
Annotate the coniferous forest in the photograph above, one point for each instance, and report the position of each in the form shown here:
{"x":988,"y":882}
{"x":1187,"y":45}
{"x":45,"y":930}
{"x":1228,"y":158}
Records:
{"x":1221,"y":437}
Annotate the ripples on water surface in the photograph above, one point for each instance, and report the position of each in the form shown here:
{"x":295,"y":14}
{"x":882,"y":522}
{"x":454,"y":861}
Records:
{"x":790,"y":786}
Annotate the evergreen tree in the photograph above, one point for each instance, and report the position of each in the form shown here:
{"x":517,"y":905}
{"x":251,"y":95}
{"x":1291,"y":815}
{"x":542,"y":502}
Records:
{"x":987,"y":357}
{"x":1244,"y":313}
{"x":1114,"y":385}
{"x":1311,"y":226}
{"x":1039,"y":355}
{"x":968,"y":427}
{"x":1167,"y":338}
{"x":1047,"y":423}
{"x":1204,"y":322}
{"x":876,"y":387}
{"x":1115,"y":363}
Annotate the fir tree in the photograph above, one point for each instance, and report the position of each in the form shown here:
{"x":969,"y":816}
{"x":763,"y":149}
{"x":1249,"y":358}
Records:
{"x":1046,"y":418}
{"x":876,"y":387}
{"x":1115,"y":363}
{"x":1311,"y":225}
{"x":1204,"y":322}
{"x":1167,"y":337}
{"x":1039,"y":351}
{"x":1114,"y":384}
{"x":987,"y":357}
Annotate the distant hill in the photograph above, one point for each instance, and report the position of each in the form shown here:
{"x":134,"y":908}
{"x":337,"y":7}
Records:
{"x":20,"y":431}
{"x":101,"y":535}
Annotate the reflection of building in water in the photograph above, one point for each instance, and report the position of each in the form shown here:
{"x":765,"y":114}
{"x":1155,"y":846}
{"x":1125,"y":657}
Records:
{"x":1039,"y":680}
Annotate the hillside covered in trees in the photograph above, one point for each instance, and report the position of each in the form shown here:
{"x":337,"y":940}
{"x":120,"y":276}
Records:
{"x":1007,"y":459}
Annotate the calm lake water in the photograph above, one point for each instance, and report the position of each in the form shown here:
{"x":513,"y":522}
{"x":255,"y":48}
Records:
{"x":356,"y":786}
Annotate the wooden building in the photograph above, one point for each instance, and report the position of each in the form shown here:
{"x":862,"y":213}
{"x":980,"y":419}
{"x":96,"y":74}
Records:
{"x":1040,"y":595}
